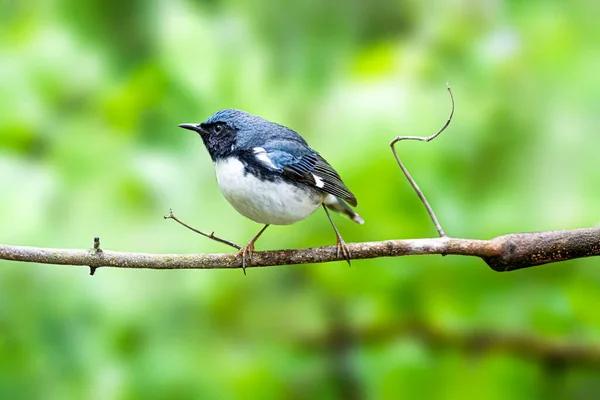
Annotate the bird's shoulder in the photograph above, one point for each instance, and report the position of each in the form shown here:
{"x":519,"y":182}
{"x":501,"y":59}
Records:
{"x":265,"y":133}
{"x":297,"y":161}
{"x":276,"y":158}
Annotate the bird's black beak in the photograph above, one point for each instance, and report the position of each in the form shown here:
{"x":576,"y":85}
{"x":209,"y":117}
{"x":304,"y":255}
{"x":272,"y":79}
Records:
{"x":193,"y":127}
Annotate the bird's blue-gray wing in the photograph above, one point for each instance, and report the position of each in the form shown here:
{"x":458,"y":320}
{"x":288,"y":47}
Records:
{"x":303,"y":164}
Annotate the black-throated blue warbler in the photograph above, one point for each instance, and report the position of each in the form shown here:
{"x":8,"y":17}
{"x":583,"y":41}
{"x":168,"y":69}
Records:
{"x":270,"y":174}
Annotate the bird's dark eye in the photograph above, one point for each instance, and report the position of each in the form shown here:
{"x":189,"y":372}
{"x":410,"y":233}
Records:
{"x":218,"y":128}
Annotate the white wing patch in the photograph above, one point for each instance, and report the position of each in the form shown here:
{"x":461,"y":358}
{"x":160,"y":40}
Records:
{"x":318,"y":181}
{"x":261,"y":155}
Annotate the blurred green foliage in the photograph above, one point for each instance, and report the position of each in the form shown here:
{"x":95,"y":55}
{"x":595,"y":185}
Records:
{"x":91,"y":94}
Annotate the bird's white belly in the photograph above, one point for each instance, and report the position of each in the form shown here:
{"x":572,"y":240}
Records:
{"x":266,"y":202}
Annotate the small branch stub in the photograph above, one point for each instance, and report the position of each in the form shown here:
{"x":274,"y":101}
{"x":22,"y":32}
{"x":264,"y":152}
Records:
{"x":95,"y":251}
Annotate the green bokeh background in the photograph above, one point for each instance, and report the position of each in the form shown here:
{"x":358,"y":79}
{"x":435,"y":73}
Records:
{"x":90,"y":97}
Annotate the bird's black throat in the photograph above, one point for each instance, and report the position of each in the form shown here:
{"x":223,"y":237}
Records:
{"x":219,"y":145}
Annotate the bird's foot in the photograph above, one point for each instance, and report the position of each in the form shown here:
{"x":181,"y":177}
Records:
{"x":246,"y":254}
{"x":246,"y":251}
{"x":342,"y":249}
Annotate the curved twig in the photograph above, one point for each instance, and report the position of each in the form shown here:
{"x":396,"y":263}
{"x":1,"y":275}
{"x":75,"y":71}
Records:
{"x":407,"y":174}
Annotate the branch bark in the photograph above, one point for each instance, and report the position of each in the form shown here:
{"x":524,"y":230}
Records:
{"x":503,"y":253}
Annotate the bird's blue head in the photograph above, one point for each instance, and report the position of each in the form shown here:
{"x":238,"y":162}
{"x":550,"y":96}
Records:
{"x":228,"y":130}
{"x":224,"y":131}
{"x":219,"y":132}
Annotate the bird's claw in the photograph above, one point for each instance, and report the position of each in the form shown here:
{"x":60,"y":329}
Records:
{"x":342,"y":249}
{"x":246,"y":254}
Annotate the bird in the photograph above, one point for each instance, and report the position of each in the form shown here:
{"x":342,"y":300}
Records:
{"x":270,"y":174}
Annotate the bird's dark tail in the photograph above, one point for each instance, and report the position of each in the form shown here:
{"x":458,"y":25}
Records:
{"x":338,"y":205}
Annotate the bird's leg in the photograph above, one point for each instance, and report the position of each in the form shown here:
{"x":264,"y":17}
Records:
{"x":341,"y":245}
{"x":246,"y":251}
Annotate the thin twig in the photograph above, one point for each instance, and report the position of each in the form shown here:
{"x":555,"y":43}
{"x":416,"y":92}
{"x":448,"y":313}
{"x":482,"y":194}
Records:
{"x":407,"y":174}
{"x":208,"y":235}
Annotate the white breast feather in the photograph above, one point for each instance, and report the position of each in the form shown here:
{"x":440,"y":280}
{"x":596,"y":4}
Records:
{"x":266,"y":202}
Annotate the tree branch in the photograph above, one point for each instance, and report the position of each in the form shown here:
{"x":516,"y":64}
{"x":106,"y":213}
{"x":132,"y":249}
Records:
{"x":503,"y":253}
{"x":475,"y":342}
